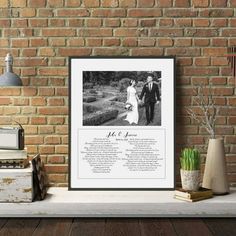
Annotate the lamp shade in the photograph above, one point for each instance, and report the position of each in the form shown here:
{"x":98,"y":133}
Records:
{"x":9,"y":78}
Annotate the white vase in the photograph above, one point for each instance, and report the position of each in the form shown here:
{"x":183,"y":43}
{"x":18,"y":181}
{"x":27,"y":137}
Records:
{"x":190,"y":179}
{"x":215,"y":175}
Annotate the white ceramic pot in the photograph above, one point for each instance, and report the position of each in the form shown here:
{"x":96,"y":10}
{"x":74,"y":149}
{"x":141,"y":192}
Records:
{"x":190,"y":179}
{"x":215,"y":174}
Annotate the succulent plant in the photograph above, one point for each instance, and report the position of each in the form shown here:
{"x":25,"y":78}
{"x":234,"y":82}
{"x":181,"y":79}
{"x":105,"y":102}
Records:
{"x":190,"y":159}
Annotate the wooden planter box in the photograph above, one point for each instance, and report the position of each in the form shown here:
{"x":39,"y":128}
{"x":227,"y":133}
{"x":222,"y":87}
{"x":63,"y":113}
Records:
{"x":16,"y":185}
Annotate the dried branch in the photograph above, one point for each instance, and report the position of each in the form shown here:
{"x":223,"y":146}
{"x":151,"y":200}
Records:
{"x":208,"y":108}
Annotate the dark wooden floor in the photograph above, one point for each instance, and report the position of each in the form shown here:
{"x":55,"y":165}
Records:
{"x":117,"y":227}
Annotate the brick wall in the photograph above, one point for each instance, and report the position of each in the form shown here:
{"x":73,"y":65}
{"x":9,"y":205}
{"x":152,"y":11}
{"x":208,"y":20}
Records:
{"x":44,"y":33}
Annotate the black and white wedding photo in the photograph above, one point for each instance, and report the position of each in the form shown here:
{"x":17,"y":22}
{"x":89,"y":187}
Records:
{"x":122,"y":98}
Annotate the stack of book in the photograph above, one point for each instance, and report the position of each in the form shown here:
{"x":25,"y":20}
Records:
{"x":13,"y":159}
{"x":193,"y":196}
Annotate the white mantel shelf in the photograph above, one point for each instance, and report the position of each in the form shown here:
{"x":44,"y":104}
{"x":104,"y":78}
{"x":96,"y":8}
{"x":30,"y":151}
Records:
{"x":63,"y":203}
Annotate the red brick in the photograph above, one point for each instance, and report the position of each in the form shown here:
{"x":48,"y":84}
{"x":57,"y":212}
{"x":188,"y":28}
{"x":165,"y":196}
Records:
{"x":109,"y":3}
{"x":52,"y":140}
{"x":55,"y":3}
{"x":20,"y":101}
{"x":56,"y":120}
{"x":38,"y":22}
{"x":217,"y":13}
{"x":214,"y":51}
{"x":166,"y":22}
{"x":201,"y":32}
{"x":183,"y":42}
{"x":75,"y":22}
{"x":232,"y":101}
{"x":130,"y":42}
{"x":53,"y":111}
{"x":110,"y":51}
{"x":94,"y":22}
{"x":147,"y":42}
{"x":56,"y":22}
{"x":62,"y":149}
{"x":5,"y":101}
{"x":46,"y":91}
{"x":61,"y":91}
{"x":72,"y":12}
{"x":146,"y":3}
{"x":95,"y":32}
{"x":9,"y":91}
{"x":201,"y":42}
{"x":19,"y":23}
{"x":232,"y":120}
{"x":201,"y":22}
{"x":165,"y":42}
{"x":73,"y":3}
{"x":182,"y":3}
{"x":73,"y":52}
{"x":38,"y":120}
{"x":18,"y":3}
{"x":166,"y":32}
{"x":91,"y":3}
{"x":58,"y":32}
{"x":219,"y":42}
{"x":146,"y":51}
{"x":38,"y":101}
{"x":183,"y":22}
{"x":46,"y":129}
{"x":201,"y":61}
{"x":37,"y":3}
{"x":200,"y":3}
{"x":56,"y":178}
{"x":219,"y":3}
{"x":165,"y":3}
{"x":63,"y":129}
{"x":56,"y":159}
{"x":218,"y":80}
{"x":155,"y":12}
{"x":29,"y":140}
{"x":56,"y":168}
{"x":94,"y":42}
{"x":112,"y":22}
{"x":127,"y":3}
{"x":43,"y":149}
{"x":121,"y":32}
{"x":57,"y":42}
{"x":179,"y":12}
{"x":148,"y":22}
{"x":109,"y":12}
{"x":55,"y":101}
{"x":111,"y":42}
{"x":200,"y":71}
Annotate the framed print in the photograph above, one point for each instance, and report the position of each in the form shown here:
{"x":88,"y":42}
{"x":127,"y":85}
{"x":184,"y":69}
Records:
{"x":122,"y":123}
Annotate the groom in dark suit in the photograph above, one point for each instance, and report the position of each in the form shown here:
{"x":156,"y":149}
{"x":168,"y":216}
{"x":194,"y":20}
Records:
{"x":151,"y":96}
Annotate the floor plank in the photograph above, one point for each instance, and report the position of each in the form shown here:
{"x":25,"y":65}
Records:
{"x":3,"y":222}
{"x":19,"y":227}
{"x":156,"y":227}
{"x":88,"y":227}
{"x":122,"y":227}
{"x":53,"y":227}
{"x":219,"y":227}
{"x":191,"y":227}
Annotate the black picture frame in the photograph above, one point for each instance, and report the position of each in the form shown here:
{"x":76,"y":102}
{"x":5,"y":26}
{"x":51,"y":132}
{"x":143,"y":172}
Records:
{"x":70,"y":187}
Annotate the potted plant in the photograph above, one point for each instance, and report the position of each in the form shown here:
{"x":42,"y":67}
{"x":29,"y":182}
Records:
{"x":190,"y":169}
{"x":215,"y":176}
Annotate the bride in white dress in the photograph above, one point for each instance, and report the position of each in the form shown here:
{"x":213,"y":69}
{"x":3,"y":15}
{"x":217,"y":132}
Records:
{"x":133,"y":99}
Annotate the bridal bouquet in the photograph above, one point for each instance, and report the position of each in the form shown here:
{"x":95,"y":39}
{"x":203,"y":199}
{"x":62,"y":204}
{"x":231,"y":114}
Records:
{"x":128,"y":106}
